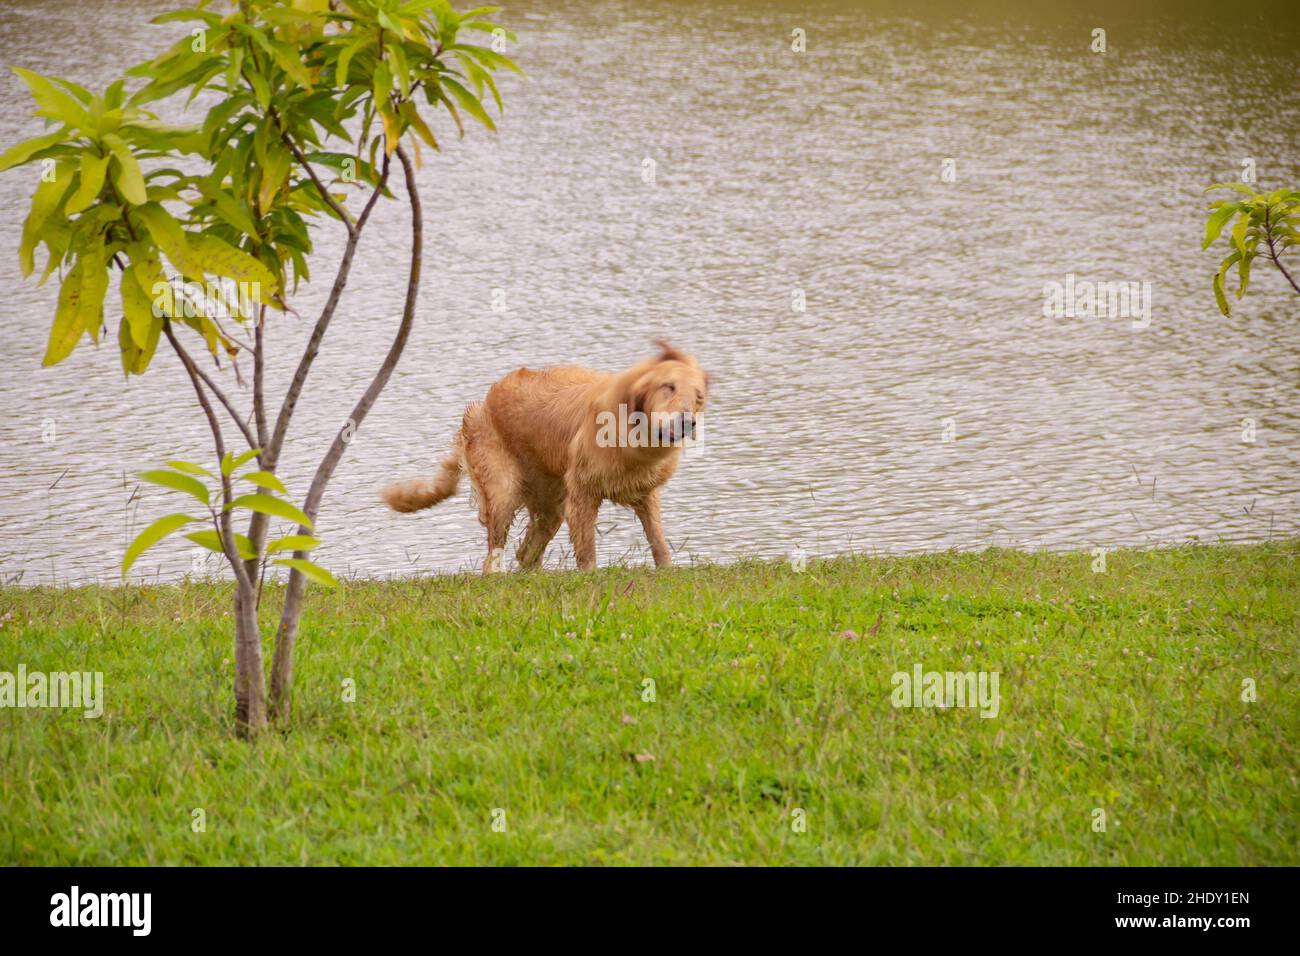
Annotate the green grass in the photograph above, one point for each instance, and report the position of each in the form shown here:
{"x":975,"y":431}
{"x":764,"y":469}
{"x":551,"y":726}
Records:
{"x":1120,"y":691}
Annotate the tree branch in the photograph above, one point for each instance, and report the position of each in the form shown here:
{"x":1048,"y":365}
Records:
{"x":226,"y":532}
{"x":368,"y":398}
{"x":322,"y":324}
{"x":258,"y":523}
{"x":221,"y":397}
{"x":286,"y":634}
{"x":259,"y":380}
{"x":1272,"y":251}
{"x":342,"y":213}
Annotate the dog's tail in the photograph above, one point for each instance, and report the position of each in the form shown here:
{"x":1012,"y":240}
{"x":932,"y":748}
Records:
{"x":416,"y":493}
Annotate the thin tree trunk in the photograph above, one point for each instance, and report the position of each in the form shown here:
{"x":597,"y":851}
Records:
{"x":286,"y":635}
{"x":250,"y":675}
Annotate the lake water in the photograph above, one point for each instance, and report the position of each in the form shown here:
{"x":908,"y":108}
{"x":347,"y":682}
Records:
{"x":920,"y":401}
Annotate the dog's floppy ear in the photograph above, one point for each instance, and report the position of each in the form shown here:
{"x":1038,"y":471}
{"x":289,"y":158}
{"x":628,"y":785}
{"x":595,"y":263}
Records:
{"x":668,"y":353}
{"x":637,"y":394}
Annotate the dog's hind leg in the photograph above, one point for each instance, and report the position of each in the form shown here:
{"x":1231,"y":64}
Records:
{"x":542,"y":526}
{"x":580,"y":512}
{"x":498,"y":531}
{"x":497,"y":482}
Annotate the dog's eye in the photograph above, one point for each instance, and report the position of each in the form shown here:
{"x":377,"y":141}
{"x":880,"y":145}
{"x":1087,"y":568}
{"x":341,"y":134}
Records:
{"x":671,"y":387}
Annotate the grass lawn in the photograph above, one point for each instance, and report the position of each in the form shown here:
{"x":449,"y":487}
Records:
{"x":1119,"y":691}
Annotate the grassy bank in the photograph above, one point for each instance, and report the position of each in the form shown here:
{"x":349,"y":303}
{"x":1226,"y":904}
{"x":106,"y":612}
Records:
{"x":1119,"y":691}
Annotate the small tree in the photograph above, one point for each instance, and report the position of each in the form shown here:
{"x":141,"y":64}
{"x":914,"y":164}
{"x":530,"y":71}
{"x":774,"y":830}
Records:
{"x":220,"y":250}
{"x":1266,"y":225}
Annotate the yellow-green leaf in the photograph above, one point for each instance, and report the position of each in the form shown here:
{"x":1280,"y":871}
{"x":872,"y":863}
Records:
{"x":69,"y":321}
{"x":1215,"y":223}
{"x":312,"y":570}
{"x":94,"y":284}
{"x":152,"y":535}
{"x":138,"y":318}
{"x":1219,"y":297}
{"x":1239,"y":234}
{"x":392,"y":135}
{"x":212,"y":541}
{"x":286,"y":57}
{"x":293,"y":542}
{"x":138,"y":311}
{"x":178,"y":482}
{"x":18,"y":154}
{"x":190,"y":468}
{"x":92,"y":181}
{"x":52,"y":101}
{"x":230,"y":462}
{"x":412,"y":116}
{"x":126,"y":171}
{"x":469,"y":101}
{"x":168,"y":235}
{"x":268,"y":505}
{"x":45,"y":201}
{"x":265,"y":479}
{"x":220,"y":259}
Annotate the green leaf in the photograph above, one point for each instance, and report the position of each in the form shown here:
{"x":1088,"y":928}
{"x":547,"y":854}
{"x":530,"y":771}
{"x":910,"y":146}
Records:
{"x":272,"y":506}
{"x":382,"y":84}
{"x":392,"y":135}
{"x":312,"y":570}
{"x":81,"y":304}
{"x":349,"y":51}
{"x":212,"y":541}
{"x":286,"y":57}
{"x":488,"y":57}
{"x":401,"y":72}
{"x":52,"y":101}
{"x":220,"y":259}
{"x":265,"y":479}
{"x":168,"y":235}
{"x":412,"y":116}
{"x":137,"y":309}
{"x":469,"y":101}
{"x":126,"y":173}
{"x":1219,"y":297}
{"x":1240,"y":187}
{"x":143,"y":326}
{"x":261,"y":88}
{"x":152,"y":535}
{"x":1239,"y":234}
{"x":230,"y":209}
{"x":178,"y":482}
{"x":190,"y":468}
{"x":230,"y":462}
{"x":92,"y":181}
{"x":1214,"y":225}
{"x":19,"y":153}
{"x":293,"y":542}
{"x":45,"y":201}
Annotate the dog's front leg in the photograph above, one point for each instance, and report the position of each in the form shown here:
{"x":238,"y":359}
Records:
{"x":580,"y":513}
{"x":648,"y":511}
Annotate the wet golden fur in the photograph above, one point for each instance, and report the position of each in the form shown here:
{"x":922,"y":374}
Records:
{"x":532,"y":443}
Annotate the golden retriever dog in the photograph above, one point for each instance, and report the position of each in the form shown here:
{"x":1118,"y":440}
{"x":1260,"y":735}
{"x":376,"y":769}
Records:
{"x":562,"y":440}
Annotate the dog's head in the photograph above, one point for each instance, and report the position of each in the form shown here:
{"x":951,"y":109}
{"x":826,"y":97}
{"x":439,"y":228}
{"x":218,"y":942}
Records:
{"x":670,"y":390}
